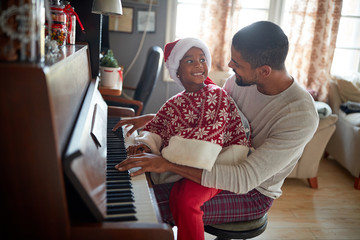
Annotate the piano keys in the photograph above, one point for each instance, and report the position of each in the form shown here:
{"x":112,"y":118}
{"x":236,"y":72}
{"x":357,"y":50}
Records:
{"x":126,"y":197}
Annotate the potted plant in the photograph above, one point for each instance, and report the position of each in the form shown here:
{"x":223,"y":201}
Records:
{"x":110,"y":71}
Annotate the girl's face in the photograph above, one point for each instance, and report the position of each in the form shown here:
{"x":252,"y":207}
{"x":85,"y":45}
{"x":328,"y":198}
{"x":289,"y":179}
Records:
{"x":193,"y":70}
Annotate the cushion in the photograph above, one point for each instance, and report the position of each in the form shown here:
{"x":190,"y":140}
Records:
{"x":352,"y":119}
{"x":242,"y":226}
{"x":349,"y":87}
{"x":350,"y":107}
{"x":323,"y":109}
{"x":326,"y":122}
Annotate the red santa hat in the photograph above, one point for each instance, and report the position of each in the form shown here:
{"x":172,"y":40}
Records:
{"x":176,"y":50}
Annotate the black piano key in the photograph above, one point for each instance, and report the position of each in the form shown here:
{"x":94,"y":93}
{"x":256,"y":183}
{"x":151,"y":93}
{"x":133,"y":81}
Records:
{"x":120,"y":199}
{"x":114,"y":154}
{"x":122,"y":210}
{"x":118,"y":184}
{"x":114,"y":206}
{"x":125,"y":193}
{"x":112,"y":163}
{"x":112,"y":178}
{"x":111,"y":167}
{"x":124,"y":183}
{"x":121,"y":218}
{"x":111,"y":172}
{"x":124,"y":176}
{"x":118,"y":156}
{"x":113,"y":160}
{"x":116,"y":199}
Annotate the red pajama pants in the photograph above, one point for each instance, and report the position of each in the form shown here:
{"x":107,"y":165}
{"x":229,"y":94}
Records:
{"x":190,"y":206}
{"x":186,"y":198}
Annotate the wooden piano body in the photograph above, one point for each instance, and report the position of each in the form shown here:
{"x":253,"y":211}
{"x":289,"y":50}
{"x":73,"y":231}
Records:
{"x":40,"y":105}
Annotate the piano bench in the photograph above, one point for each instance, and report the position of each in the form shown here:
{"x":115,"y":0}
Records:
{"x":238,"y":230}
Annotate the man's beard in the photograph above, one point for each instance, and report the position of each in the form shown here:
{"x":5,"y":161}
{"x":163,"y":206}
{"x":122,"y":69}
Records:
{"x":240,"y":82}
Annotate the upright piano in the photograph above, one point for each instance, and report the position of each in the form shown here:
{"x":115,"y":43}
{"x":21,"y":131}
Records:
{"x":57,"y":158}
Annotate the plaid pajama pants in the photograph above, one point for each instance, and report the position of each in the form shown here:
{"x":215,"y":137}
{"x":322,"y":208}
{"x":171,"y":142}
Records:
{"x":224,"y":207}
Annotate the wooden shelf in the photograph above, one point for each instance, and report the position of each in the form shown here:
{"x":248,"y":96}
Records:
{"x":112,"y":91}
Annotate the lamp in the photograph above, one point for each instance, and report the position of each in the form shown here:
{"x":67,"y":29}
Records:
{"x":107,"y":7}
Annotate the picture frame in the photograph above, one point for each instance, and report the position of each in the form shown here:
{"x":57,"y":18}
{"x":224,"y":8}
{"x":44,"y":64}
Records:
{"x":142,"y":17}
{"x":122,"y":23}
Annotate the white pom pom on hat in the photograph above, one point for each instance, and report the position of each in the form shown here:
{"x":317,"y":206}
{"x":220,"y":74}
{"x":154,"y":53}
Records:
{"x":176,"y":50}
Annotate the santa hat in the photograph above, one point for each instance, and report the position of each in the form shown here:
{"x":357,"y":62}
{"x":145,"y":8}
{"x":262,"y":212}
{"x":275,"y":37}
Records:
{"x":175,"y":51}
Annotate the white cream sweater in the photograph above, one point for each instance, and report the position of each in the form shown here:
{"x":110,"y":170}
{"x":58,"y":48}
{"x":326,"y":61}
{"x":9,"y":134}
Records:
{"x":281,"y":127}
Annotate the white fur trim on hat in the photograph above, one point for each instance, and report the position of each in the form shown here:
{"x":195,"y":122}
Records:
{"x":178,"y":52}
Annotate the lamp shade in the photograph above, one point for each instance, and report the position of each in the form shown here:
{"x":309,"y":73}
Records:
{"x":107,"y":7}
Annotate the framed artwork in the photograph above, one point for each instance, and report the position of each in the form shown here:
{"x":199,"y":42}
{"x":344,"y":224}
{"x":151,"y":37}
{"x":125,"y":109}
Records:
{"x":122,"y":23}
{"x":146,"y":21}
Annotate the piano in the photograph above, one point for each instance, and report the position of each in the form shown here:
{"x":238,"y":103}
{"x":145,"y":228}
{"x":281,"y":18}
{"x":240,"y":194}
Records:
{"x":58,"y":154}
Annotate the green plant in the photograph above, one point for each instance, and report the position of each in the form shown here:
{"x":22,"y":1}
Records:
{"x":108,"y":60}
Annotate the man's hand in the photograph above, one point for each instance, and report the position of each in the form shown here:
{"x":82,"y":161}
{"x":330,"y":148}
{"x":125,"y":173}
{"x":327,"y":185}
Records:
{"x":136,"y":122}
{"x":149,"y":162}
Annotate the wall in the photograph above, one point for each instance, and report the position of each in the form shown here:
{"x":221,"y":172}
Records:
{"x":125,"y":46}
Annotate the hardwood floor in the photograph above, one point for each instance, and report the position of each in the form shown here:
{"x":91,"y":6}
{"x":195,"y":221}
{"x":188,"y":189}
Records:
{"x":330,"y":212}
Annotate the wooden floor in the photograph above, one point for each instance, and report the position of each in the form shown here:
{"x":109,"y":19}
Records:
{"x":330,"y":212}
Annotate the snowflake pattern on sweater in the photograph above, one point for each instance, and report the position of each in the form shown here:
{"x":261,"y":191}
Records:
{"x":209,"y":114}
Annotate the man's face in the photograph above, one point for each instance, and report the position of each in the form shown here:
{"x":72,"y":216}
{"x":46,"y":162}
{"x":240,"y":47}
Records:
{"x":245,"y":75}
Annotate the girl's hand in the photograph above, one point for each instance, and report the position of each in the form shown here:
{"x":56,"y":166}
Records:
{"x":136,"y":122}
{"x":138,"y":148}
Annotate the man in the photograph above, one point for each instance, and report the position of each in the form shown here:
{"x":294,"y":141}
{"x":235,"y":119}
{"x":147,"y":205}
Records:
{"x":283,"y":119}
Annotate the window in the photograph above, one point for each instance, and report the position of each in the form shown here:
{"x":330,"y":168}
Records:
{"x":253,"y":11}
{"x":184,"y":14}
{"x":347,"y":53}
{"x":188,"y":14}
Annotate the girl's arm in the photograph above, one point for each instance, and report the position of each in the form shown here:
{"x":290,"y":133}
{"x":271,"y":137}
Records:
{"x":136,"y":122}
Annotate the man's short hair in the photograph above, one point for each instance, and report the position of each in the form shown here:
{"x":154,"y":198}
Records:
{"x":262,"y":43}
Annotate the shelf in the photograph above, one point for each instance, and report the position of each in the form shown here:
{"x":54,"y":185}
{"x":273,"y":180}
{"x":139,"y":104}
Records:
{"x":112,"y":91}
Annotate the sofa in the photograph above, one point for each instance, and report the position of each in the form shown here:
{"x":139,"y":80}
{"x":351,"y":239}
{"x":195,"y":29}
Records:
{"x":344,"y":145}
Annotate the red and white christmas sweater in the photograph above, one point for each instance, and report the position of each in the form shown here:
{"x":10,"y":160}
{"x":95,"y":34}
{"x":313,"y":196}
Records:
{"x":196,"y":129}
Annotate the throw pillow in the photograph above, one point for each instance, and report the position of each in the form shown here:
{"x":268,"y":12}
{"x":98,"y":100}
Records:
{"x":323,"y":109}
{"x":349,"y":90}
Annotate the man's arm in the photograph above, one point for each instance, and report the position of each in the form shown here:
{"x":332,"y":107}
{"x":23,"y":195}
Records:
{"x":271,"y":162}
